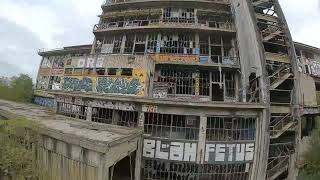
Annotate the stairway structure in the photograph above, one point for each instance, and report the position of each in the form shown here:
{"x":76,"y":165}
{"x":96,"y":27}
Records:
{"x":277,"y":42}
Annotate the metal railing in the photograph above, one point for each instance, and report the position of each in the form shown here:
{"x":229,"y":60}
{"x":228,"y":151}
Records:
{"x":279,"y":123}
{"x":224,"y":60}
{"x":112,"y":2}
{"x":277,"y":165}
{"x":279,"y":73}
{"x":279,"y":158}
{"x":158,"y":22}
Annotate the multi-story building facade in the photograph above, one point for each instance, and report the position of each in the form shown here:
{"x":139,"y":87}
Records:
{"x":216,"y":85}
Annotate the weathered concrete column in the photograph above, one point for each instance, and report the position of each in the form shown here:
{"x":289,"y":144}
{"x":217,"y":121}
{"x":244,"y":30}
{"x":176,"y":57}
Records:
{"x":123,"y":44}
{"x":158,"y":43}
{"x":252,"y":61}
{"x":202,"y":139}
{"x":141,"y":119}
{"x":89,"y":113}
{"x":138,"y":160}
{"x":197,"y":44}
{"x":55,"y":106}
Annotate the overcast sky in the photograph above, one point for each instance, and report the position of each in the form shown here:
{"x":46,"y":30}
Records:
{"x":28,"y":25}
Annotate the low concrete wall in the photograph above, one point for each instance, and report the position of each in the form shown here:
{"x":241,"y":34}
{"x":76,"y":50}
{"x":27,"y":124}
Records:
{"x":58,"y":160}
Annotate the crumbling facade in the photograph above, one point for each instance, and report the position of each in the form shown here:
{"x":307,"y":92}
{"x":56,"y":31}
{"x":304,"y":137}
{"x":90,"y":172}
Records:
{"x":218,"y":86}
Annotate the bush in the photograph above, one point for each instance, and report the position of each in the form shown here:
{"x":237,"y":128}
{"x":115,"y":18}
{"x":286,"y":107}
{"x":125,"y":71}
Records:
{"x":311,"y":170}
{"x":19,"y":89}
{"x":17,"y":155}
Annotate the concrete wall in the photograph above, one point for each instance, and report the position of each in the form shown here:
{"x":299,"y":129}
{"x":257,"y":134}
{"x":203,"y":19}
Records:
{"x":308,"y":90}
{"x":58,"y":160}
{"x":253,"y":61}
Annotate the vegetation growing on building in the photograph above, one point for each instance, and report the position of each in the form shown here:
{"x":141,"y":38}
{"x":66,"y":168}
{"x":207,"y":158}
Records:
{"x":17,"y":146}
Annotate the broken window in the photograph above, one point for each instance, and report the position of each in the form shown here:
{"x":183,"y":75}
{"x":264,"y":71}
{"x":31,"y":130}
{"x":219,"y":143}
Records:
{"x":54,"y":83}
{"x":126,"y":118}
{"x":46,"y":62}
{"x":102,"y":115}
{"x":177,"y":44}
{"x":172,"y":126}
{"x":129,"y":44}
{"x":317,"y":84}
{"x":230,"y":128}
{"x":68,"y":71}
{"x":58,"y":62}
{"x":89,"y":71}
{"x":117,"y":44}
{"x":140,"y":44}
{"x":152,"y":43}
{"x":230,"y":85}
{"x":179,"y":15}
{"x":100,"y":71}
{"x":77,"y":71}
{"x":116,"y":117}
{"x":108,"y":45}
{"x":204,"y":84}
{"x":112,"y":71}
{"x":155,"y":169}
{"x":126,"y":72}
{"x":238,"y":171}
{"x":217,"y":86}
{"x":204,"y":45}
{"x":42,"y":82}
{"x":185,"y":81}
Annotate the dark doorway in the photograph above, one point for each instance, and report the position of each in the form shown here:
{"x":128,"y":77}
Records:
{"x":124,"y":169}
{"x":217,"y":93}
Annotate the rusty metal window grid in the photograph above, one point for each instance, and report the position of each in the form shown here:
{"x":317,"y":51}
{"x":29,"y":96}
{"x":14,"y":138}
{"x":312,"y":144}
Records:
{"x":73,"y":111}
{"x":204,"y":84}
{"x":204,"y":45}
{"x":126,"y":118}
{"x":116,"y":117}
{"x":183,"y":15}
{"x":224,"y":171}
{"x":152,"y":43}
{"x":184,"y":82}
{"x":230,"y":85}
{"x":117,"y":44}
{"x":177,"y":44}
{"x":102,"y":115}
{"x":129,"y":43}
{"x":230,"y":129}
{"x":156,"y":170}
{"x":172,"y":126}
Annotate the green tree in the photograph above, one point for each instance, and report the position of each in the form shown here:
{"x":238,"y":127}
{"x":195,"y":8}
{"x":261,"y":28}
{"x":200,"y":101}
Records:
{"x":20,"y":89}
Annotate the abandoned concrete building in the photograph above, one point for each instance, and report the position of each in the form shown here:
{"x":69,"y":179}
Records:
{"x":219,"y":88}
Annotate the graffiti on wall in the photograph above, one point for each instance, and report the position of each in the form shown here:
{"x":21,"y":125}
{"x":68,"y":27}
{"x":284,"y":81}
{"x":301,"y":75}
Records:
{"x":119,"y":85}
{"x":175,"y":58}
{"x":237,"y":152}
{"x":112,"y":105}
{"x":78,"y":84}
{"x":176,"y":151}
{"x":44,"y":71}
{"x":186,"y":151}
{"x":42,"y":82}
{"x":57,"y":71}
{"x":42,"y":101}
{"x":313,"y":67}
{"x":70,"y":100}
